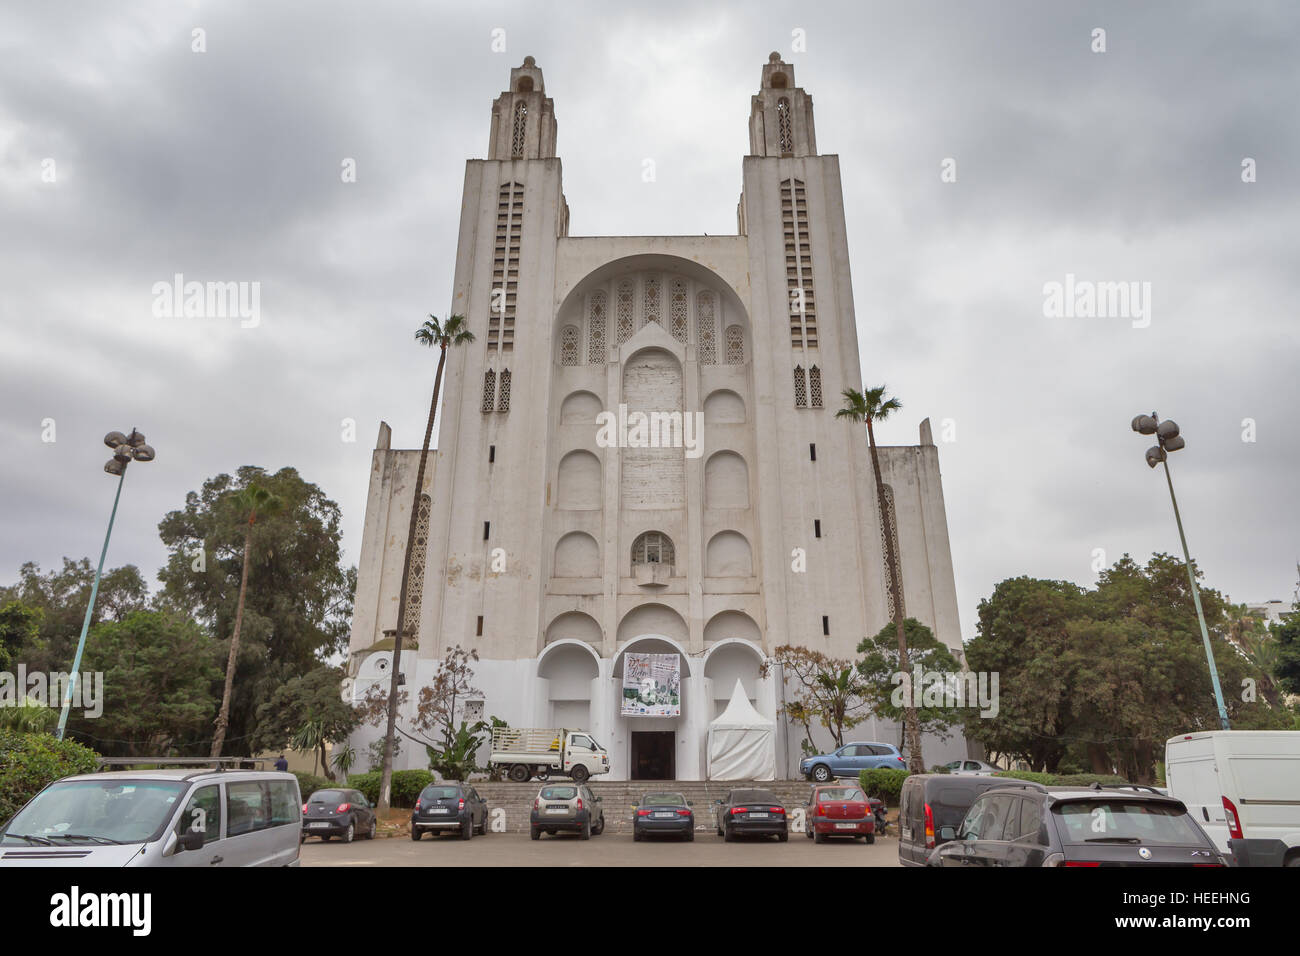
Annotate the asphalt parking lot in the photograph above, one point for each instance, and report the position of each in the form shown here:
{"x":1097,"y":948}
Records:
{"x":610,"y":849}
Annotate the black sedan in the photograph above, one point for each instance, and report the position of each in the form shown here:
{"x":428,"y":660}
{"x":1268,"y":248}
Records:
{"x":449,"y":808}
{"x":758,"y":812}
{"x":663,"y":812}
{"x":338,"y":813}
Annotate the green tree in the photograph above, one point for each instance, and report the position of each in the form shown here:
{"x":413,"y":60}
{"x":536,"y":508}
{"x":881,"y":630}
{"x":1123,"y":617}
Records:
{"x":20,"y":628}
{"x":872,"y":406}
{"x":298,"y":609}
{"x":879,"y":666}
{"x":826,"y":689}
{"x":441,"y":335}
{"x":160,"y":669}
{"x":311,"y":700}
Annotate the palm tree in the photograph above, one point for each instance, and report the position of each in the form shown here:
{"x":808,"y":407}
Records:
{"x":251,"y":501}
{"x":444,"y":335}
{"x":873,"y":406}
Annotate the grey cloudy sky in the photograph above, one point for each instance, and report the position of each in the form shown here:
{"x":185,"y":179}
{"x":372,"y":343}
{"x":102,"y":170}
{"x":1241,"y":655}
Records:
{"x":225,"y":165}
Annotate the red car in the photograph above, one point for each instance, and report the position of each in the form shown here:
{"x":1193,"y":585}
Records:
{"x":839,"y":810}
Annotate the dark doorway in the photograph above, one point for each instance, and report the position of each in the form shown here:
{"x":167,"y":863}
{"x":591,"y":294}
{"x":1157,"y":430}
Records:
{"x":654,"y":755}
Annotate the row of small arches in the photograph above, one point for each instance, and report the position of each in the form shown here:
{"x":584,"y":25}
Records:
{"x":721,"y":407}
{"x":579,"y":486}
{"x":727,"y":555}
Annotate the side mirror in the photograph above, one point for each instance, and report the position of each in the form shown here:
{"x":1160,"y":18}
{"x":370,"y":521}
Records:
{"x":689,"y":804}
{"x":190,"y":840}
{"x":947,"y":833}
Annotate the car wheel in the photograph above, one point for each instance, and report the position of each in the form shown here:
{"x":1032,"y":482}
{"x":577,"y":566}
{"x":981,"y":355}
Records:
{"x":467,"y":829}
{"x":821,"y":773}
{"x":374,"y":827}
{"x":416,"y":834}
{"x":871,"y":838}
{"x":784,"y":836}
{"x":482,"y":829}
{"x":636,"y":835}
{"x":586,"y":830}
{"x":819,"y":837}
{"x":519,"y":773}
{"x":690,"y":836}
{"x":350,"y":833}
{"x":535,"y":833}
{"x":600,"y":829}
{"x":728,"y":836}
{"x":580,"y":774}
{"x":808,"y":830}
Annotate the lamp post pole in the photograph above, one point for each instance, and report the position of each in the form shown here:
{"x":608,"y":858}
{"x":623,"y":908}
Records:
{"x":125,"y":450}
{"x":1167,"y":435}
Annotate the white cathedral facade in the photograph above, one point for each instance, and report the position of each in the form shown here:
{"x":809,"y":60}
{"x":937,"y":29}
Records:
{"x":553,"y":552}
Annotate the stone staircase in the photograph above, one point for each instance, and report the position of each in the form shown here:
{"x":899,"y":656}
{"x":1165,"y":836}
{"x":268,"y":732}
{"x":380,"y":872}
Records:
{"x":619,"y":796}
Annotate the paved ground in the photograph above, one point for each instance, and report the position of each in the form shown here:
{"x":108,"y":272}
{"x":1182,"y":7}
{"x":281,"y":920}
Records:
{"x":610,"y":849}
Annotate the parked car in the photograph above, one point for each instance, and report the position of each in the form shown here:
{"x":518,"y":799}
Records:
{"x":338,"y":813}
{"x":851,"y":759}
{"x":931,"y":801}
{"x":1243,"y":788}
{"x":839,"y":811}
{"x":1070,"y":826}
{"x":159,"y":818}
{"x":566,"y":806}
{"x":663,"y":811}
{"x":449,"y":808}
{"x":970,"y":767}
{"x":749,"y":811}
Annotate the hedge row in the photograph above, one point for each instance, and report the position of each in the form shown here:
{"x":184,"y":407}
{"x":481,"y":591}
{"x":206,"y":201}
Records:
{"x":407,"y":785}
{"x":30,"y":761}
{"x":887,"y":784}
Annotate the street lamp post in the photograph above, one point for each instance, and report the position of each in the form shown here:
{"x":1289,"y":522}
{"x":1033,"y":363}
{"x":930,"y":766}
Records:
{"x":126,"y":449}
{"x":1168,"y":439}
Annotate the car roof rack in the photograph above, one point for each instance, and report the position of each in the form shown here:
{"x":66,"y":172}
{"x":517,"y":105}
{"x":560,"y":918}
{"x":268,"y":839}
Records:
{"x":213,"y":763}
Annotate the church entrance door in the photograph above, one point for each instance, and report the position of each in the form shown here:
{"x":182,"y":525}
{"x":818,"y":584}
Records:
{"x":653,"y":755}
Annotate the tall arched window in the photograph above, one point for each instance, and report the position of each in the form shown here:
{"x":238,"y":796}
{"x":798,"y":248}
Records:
{"x":650,"y":312}
{"x":653,"y":547}
{"x":626,"y":293}
{"x":735,"y":345}
{"x":678,"y":309}
{"x":783,"y":125}
{"x":415,"y":583}
{"x":815,"y":386}
{"x":520,"y":128}
{"x":489,"y":390}
{"x":891,"y":519}
{"x":706,"y":333}
{"x":503,"y":400}
{"x":596,"y":352}
{"x":800,"y":388}
{"x":569,"y":345}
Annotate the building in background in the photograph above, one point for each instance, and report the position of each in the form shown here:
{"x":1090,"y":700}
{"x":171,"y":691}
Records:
{"x":555,"y":547}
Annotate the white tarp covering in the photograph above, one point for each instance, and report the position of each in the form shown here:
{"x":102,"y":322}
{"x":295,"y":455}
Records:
{"x":742,"y":742}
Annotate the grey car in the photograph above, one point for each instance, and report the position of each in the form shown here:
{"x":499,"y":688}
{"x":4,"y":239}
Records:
{"x":449,"y":808}
{"x":566,"y":806}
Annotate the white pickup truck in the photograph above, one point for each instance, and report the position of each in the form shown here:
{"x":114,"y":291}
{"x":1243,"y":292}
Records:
{"x":540,"y":752}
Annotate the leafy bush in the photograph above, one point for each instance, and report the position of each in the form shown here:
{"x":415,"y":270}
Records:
{"x":309,"y":783}
{"x":939,"y":768}
{"x":883,"y":783}
{"x":30,"y":761}
{"x":1086,"y":779}
{"x":407,"y":785}
{"x":1033,"y":776}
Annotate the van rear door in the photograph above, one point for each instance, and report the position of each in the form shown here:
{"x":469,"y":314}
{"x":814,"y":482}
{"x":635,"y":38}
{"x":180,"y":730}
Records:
{"x":1193,"y":777}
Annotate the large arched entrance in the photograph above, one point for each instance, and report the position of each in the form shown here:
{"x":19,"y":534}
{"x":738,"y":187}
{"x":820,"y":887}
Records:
{"x":654,"y":744}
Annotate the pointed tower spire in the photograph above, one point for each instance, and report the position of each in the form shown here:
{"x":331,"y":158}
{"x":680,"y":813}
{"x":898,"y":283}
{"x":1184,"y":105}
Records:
{"x":523,"y":117}
{"x":781,"y":115}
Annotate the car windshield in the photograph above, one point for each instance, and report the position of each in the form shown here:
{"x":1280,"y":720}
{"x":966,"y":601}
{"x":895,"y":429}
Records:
{"x":440,"y":793}
{"x":754,"y":796}
{"x":328,"y":796}
{"x":663,"y":800}
{"x":97,"y":811}
{"x":840,"y":793}
{"x":559,"y":793}
{"x":1146,"y":821}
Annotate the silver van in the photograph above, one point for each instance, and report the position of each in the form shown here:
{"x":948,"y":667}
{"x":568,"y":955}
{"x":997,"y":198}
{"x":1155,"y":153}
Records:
{"x":159,"y":818}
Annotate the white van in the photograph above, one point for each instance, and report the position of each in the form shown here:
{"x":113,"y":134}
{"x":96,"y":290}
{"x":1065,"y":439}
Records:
{"x":159,"y":818}
{"x":1243,"y":788}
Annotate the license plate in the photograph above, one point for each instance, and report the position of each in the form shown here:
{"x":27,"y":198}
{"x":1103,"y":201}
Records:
{"x":318,"y":826}
{"x":758,"y":816}
{"x":664,"y":816}
{"x":439,"y":810}
{"x":846,"y":826}
{"x":560,"y":810}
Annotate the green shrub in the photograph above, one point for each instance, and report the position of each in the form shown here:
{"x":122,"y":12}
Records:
{"x":883,"y":783}
{"x":309,"y":783}
{"x":407,"y":785}
{"x":1086,"y":779}
{"x":1033,"y":776}
{"x":30,"y":761}
{"x":939,"y":768}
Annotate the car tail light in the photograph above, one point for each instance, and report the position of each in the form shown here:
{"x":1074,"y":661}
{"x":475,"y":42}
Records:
{"x":343,"y":808}
{"x":1234,"y":821}
{"x":683,"y":813}
{"x":417,"y":803}
{"x":821,"y":810}
{"x":778,"y":809}
{"x":537,"y":804}
{"x":929,"y":828}
{"x":580,"y":803}
{"x":304,"y":808}
{"x":1081,"y":863}
{"x":643,"y":813}
{"x":735,"y":810}
{"x":461,"y":805}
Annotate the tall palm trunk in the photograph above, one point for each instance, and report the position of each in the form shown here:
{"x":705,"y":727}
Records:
{"x":386,"y":779}
{"x":915,"y":763}
{"x":223,"y":718}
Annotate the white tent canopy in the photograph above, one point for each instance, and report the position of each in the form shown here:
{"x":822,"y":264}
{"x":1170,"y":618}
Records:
{"x":741,"y":742}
